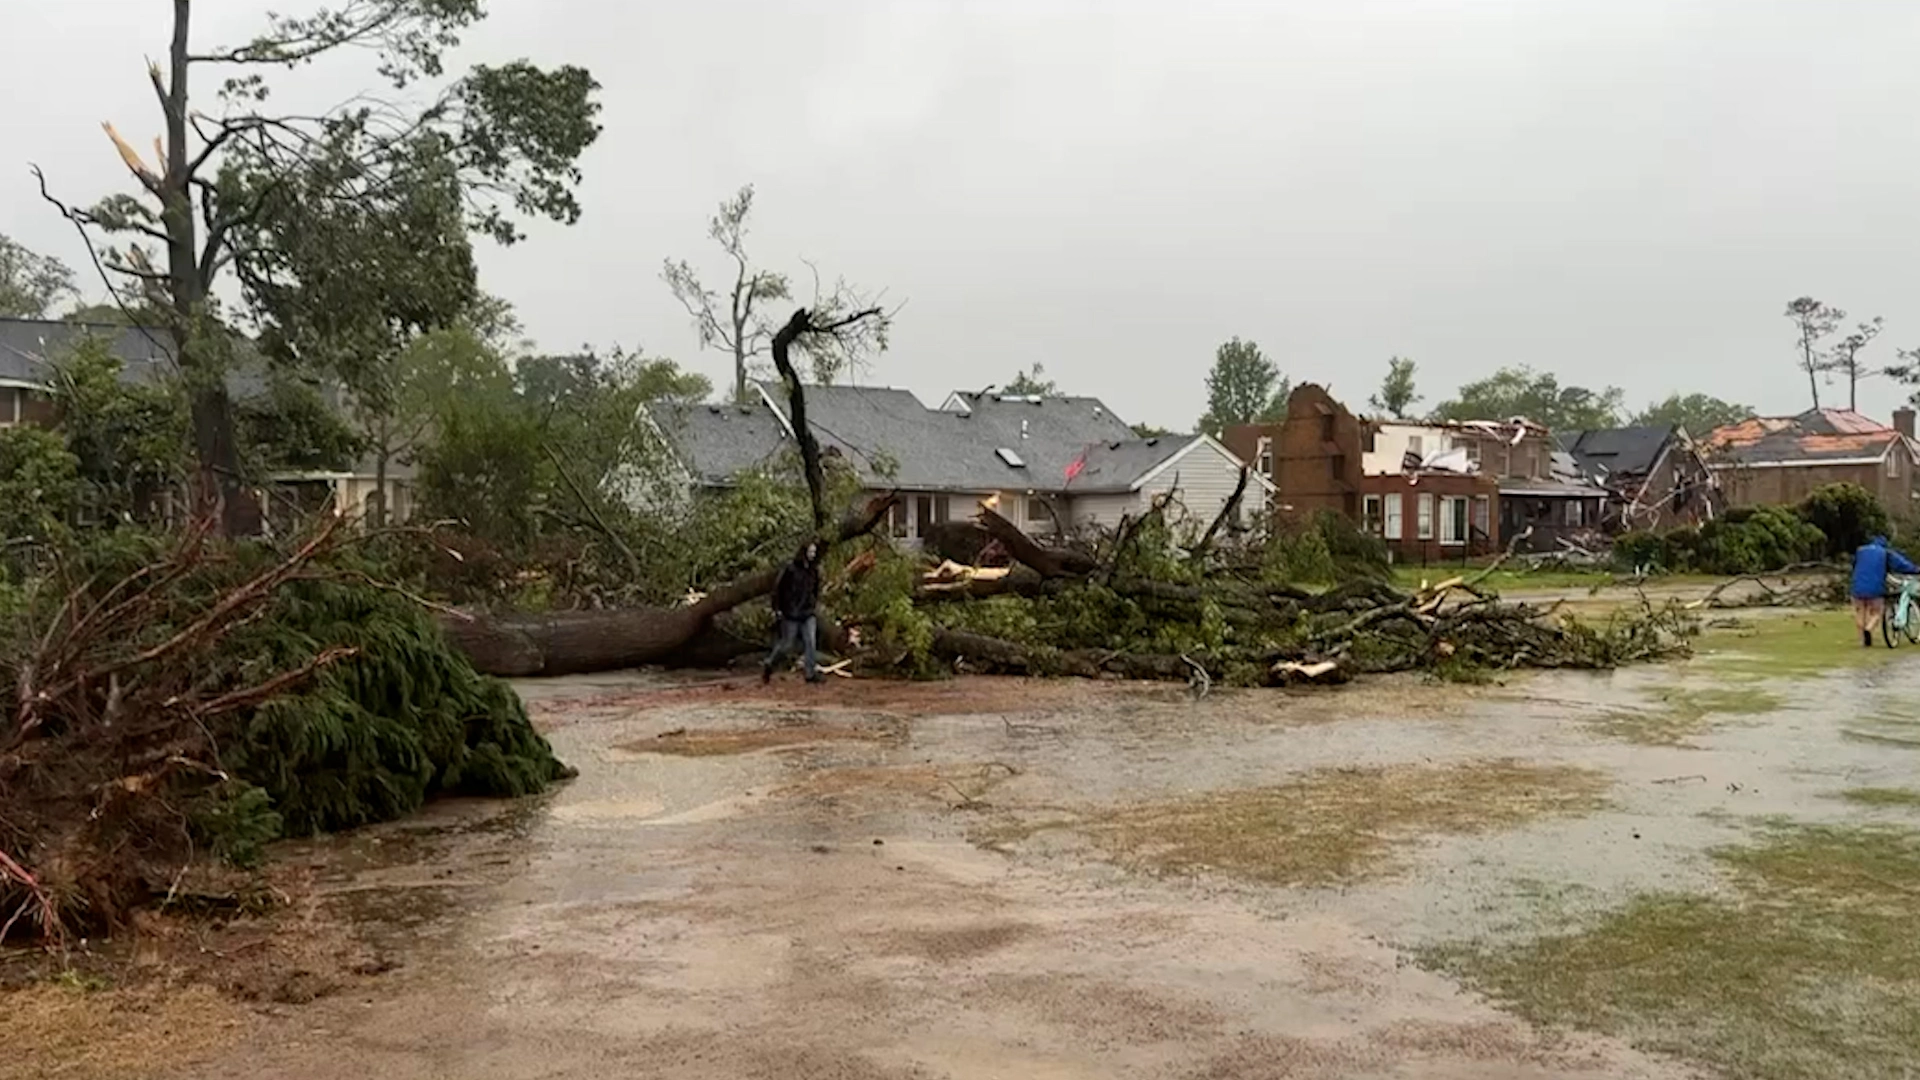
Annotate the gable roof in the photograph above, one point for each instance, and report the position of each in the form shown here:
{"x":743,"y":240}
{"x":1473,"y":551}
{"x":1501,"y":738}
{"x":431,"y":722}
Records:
{"x":1117,"y":466}
{"x":719,"y":442}
{"x":1616,"y":451}
{"x":1814,"y":437}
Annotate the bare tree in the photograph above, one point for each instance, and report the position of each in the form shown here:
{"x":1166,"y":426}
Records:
{"x":737,"y":320}
{"x":512,"y":133}
{"x":1846,"y":358}
{"x":1813,"y":322}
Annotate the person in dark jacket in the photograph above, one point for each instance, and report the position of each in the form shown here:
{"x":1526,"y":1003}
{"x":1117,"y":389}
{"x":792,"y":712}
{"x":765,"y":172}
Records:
{"x":796,"y":592}
{"x":1871,"y":564}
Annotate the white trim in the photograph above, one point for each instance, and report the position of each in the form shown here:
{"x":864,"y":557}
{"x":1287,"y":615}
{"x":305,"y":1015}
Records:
{"x":955,"y":398}
{"x":785,"y":424}
{"x":22,"y":384}
{"x":1202,"y":440}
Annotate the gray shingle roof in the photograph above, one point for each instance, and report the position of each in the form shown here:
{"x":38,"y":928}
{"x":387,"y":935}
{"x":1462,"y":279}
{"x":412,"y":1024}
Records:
{"x":1630,"y":450}
{"x":1114,"y":466}
{"x":719,"y":442}
{"x":936,"y":450}
{"x":29,"y":346}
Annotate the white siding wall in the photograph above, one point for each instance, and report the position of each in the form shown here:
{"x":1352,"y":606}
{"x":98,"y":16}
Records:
{"x":1391,"y":442}
{"x":1206,"y":477}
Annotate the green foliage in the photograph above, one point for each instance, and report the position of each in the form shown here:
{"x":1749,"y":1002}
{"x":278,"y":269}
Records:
{"x":1536,"y":395}
{"x":1696,"y":413}
{"x":1848,"y":514}
{"x":1397,"y":395}
{"x":372,"y":738}
{"x":879,"y":601}
{"x":1243,"y":387}
{"x":236,"y":821}
{"x":30,"y":284}
{"x":1150,"y":431}
{"x":1322,"y":550}
{"x":1746,"y":541}
{"x":1830,"y":523}
{"x":290,"y":427}
{"x":40,"y":487}
{"x":128,"y":439}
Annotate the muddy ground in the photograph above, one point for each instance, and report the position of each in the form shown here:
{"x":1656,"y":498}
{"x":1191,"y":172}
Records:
{"x":1001,"y":878}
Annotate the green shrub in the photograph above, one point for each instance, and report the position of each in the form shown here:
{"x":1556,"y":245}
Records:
{"x":1848,"y":515}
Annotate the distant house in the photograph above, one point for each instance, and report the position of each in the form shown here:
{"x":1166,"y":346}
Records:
{"x":1778,"y":460}
{"x":30,"y":347}
{"x":1046,"y":463}
{"x":1654,"y":476}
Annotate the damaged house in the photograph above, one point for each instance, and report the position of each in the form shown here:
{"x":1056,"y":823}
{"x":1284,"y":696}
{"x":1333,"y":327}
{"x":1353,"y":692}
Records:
{"x":1655,"y":477}
{"x":1780,"y":460}
{"x":1049,"y":464}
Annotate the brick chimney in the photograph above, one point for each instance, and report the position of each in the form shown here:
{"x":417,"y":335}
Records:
{"x":1903,"y":421}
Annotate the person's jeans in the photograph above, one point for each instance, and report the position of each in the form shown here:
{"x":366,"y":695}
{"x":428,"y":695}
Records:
{"x":797,"y":634}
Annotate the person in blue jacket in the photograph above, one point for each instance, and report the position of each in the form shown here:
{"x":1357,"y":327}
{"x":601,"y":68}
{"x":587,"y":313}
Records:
{"x":1871,"y":564}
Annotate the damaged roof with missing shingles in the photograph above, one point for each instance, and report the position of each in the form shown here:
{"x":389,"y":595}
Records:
{"x":1815,"y":436}
{"x":1629,"y":451}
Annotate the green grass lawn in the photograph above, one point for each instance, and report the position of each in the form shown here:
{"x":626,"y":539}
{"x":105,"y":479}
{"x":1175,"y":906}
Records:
{"x":1808,"y":968}
{"x":1797,"y":644}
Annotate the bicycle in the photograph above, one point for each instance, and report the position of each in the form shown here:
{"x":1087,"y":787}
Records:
{"x":1901,"y":614}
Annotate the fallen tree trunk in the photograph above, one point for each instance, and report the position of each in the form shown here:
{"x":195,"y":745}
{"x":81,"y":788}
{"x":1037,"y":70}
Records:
{"x":578,"y":642}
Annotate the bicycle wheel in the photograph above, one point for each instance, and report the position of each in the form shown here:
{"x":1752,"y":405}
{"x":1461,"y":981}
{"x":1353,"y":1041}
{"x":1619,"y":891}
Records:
{"x":1886,"y":624}
{"x":1910,"y":621}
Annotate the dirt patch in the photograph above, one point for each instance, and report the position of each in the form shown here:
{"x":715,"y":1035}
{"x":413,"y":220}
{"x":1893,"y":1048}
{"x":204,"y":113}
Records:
{"x":64,"y":1031}
{"x":947,"y":945}
{"x":719,"y":742}
{"x":958,"y":786}
{"x":964,"y":696}
{"x":1339,"y":825}
{"x":1810,"y":970}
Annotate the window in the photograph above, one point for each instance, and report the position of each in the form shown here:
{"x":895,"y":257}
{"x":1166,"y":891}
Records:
{"x":1473,"y":452}
{"x":1337,"y":466}
{"x":1393,"y":516}
{"x":1482,"y":516}
{"x":1263,"y":456}
{"x":1573,"y":513}
{"x":923,"y":513}
{"x":1416,"y":445}
{"x":1371,"y":514}
{"x":897,"y":517}
{"x":1453,"y":519}
{"x":1037,"y":513}
{"x":1424,"y":521}
{"x":1326,"y":428}
{"x":1893,"y":459}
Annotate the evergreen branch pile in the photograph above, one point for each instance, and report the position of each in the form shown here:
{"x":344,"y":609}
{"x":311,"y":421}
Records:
{"x":174,"y":697}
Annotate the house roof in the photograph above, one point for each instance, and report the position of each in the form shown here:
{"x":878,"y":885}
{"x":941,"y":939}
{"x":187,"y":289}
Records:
{"x":1116,"y":466}
{"x":1615,"y":451}
{"x":719,"y":442}
{"x":996,"y":444}
{"x":1817,"y":436}
{"x":28,"y":348}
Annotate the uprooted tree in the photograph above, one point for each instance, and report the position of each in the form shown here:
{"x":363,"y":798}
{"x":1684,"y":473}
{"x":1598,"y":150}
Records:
{"x":578,"y":641}
{"x":174,"y":697}
{"x":509,"y":137}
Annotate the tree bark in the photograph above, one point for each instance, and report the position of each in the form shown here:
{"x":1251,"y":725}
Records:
{"x":579,"y":642}
{"x":1049,"y":562}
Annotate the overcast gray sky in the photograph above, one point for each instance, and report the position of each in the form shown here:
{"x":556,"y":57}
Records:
{"x":1620,"y":191}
